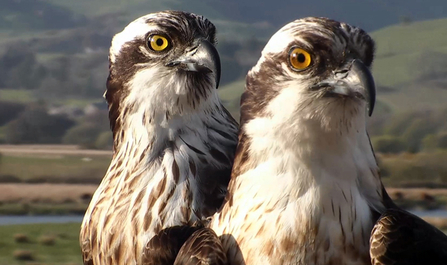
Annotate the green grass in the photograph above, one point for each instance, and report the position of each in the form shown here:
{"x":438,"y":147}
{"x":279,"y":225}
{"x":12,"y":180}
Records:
{"x":9,"y":35}
{"x":127,"y":11}
{"x":232,"y":90}
{"x":130,"y":10}
{"x":413,"y":97}
{"x":415,"y":37}
{"x":78,"y":102}
{"x":65,"y":250}
{"x":230,"y":95}
{"x":423,"y":169}
{"x":16,"y":95}
{"x":2,"y":132}
{"x":43,"y":208}
{"x":47,"y":57}
{"x":53,"y":167}
{"x":26,"y":96}
{"x":97,"y":8}
{"x":400,"y":46}
{"x":394,"y":69}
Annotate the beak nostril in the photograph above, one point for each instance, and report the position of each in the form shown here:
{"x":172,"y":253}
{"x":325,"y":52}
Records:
{"x":344,"y":71}
{"x":173,"y":63}
{"x":193,"y":49}
{"x":202,"y":58}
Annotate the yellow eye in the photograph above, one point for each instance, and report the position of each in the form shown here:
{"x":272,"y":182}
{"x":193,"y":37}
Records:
{"x":158,"y":43}
{"x":300,"y":59}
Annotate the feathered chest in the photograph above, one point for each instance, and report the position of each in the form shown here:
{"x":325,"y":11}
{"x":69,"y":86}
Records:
{"x":288,"y":210}
{"x":146,"y":190}
{"x":130,"y":207}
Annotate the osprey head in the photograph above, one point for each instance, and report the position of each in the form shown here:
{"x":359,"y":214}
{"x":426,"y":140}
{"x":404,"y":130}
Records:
{"x":166,"y":61}
{"x":174,"y":41}
{"x":326,"y":64}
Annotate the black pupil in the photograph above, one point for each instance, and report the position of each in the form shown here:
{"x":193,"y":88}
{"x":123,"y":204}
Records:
{"x":301,"y":58}
{"x":159,"y":42}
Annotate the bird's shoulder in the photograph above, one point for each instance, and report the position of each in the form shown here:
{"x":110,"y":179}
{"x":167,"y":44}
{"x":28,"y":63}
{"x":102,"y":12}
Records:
{"x":401,"y":238}
{"x":203,"y":247}
{"x":163,"y":247}
{"x":213,"y":157}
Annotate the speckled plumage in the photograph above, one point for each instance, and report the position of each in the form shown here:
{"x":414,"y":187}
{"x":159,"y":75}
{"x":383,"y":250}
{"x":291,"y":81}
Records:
{"x":305,"y":186}
{"x":174,"y":142}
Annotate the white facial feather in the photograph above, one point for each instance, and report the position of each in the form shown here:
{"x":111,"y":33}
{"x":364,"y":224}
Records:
{"x":134,"y":31}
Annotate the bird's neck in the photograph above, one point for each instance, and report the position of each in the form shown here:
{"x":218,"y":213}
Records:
{"x":142,"y":107}
{"x":309,"y":140}
{"x":308,"y":153}
{"x":147,"y":134}
{"x":146,"y":122}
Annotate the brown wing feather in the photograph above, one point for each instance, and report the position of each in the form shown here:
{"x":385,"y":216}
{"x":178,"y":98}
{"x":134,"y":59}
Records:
{"x":86,"y":253}
{"x":214,"y":180}
{"x":163,"y":248}
{"x":401,"y":238}
{"x":202,"y":248}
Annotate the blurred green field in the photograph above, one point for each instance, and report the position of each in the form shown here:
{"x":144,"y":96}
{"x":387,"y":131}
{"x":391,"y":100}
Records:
{"x":38,"y":208}
{"x":52,"y":183}
{"x":26,"y":96}
{"x":55,"y":168}
{"x":98,"y":8}
{"x":423,"y":169}
{"x":411,"y":38}
{"x":230,"y":91}
{"x":64,"y":250}
{"x":16,"y":95}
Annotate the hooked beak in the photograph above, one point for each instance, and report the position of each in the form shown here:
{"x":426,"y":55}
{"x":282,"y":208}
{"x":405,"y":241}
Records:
{"x":203,"y":59}
{"x":352,"y":80}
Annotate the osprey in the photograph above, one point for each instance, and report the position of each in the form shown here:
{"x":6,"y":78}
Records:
{"x":174,"y":142}
{"x":305,"y":186}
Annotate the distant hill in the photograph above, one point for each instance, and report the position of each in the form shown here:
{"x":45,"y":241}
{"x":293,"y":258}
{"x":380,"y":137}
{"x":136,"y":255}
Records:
{"x":412,"y":59}
{"x":32,"y":14}
{"x":235,"y":19}
{"x":368,"y":14}
{"x":123,"y":12}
